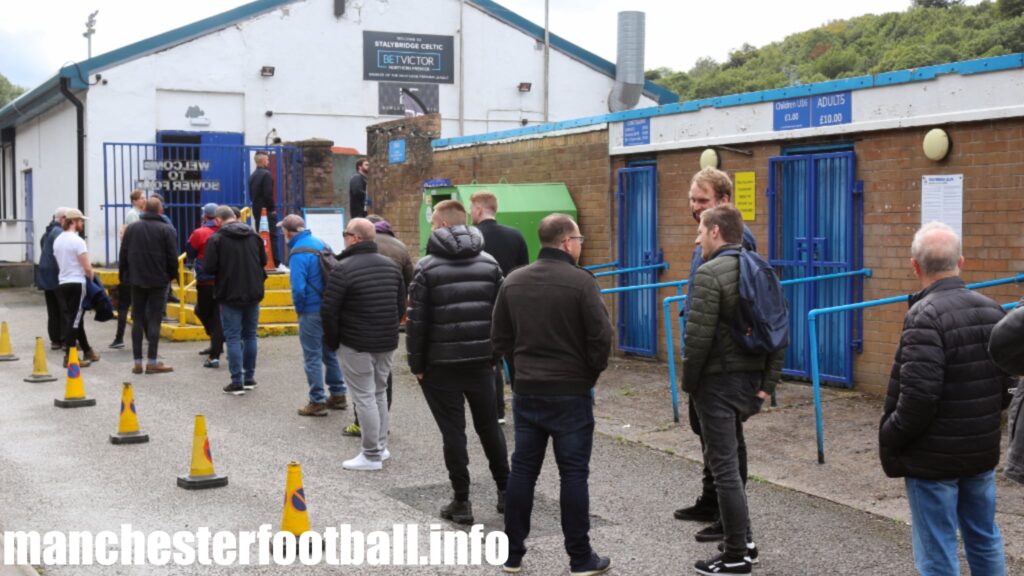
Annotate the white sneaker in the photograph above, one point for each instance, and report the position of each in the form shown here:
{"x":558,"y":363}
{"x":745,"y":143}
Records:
{"x":361,"y":462}
{"x":385,"y":455}
{"x":282,"y":268}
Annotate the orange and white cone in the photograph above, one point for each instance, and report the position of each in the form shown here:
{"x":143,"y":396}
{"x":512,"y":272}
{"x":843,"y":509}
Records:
{"x":128,"y":427}
{"x":40,"y":373}
{"x":6,"y":354}
{"x":201,"y":474}
{"x":74,"y":390}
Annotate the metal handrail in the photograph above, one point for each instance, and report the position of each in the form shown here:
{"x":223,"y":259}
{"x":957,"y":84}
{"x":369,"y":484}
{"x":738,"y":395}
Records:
{"x":675,"y":283}
{"x":661,"y":266}
{"x":812,"y":334}
{"x":181,"y":289}
{"x":245,"y":214}
{"x":593,"y":267}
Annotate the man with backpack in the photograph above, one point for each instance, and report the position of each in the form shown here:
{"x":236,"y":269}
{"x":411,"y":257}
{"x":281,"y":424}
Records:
{"x":308,"y":283}
{"x":725,"y":379}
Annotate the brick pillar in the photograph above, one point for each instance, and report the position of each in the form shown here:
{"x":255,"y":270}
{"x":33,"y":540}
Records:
{"x":318,"y":169}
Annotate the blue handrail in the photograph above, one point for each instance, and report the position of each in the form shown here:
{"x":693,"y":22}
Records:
{"x":666,"y":303}
{"x":1010,"y":306}
{"x":661,"y":266}
{"x":673,"y":284}
{"x":593,"y":267}
{"x":812,"y":331}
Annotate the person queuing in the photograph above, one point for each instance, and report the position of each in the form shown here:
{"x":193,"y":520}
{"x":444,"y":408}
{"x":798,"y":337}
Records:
{"x":549,"y":318}
{"x":361,"y":309}
{"x":357,"y":189}
{"x":726,"y":383}
{"x":206,"y":308}
{"x":48,"y":279}
{"x":148,"y":261}
{"x":307,"y":283}
{"x":235,"y":258}
{"x":262,"y":192}
{"x":940,"y":430}
{"x":508,"y":247}
{"x":448,"y":340}
{"x":72,"y":255}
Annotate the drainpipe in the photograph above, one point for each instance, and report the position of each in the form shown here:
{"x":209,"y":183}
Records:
{"x":80,"y":120}
{"x":462,"y":70}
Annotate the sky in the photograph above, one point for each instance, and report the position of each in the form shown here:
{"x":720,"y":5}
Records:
{"x":37,"y":37}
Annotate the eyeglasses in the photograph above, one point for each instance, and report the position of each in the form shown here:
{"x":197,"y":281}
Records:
{"x":346,"y":233}
{"x":580,"y":238}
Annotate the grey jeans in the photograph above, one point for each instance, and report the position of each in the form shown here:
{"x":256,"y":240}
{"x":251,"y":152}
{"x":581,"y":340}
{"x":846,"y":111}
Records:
{"x":724,"y":401}
{"x":366,"y":374}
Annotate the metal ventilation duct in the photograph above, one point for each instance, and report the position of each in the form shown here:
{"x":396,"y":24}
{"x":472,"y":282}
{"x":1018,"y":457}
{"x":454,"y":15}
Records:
{"x":629,"y":67}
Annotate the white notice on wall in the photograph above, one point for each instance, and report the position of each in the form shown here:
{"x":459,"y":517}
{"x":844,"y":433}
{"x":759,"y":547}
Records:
{"x":942,"y":199}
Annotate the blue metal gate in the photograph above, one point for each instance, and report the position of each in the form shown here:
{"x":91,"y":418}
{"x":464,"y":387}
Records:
{"x":189,"y":170}
{"x":638,"y":246}
{"x":816,"y":227}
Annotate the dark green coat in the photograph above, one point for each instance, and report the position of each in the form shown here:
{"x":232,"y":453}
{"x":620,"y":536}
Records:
{"x":709,"y":347}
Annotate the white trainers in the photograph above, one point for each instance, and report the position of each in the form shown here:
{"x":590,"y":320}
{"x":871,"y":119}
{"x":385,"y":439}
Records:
{"x":386,"y":454}
{"x":282,"y":268}
{"x":361,"y":462}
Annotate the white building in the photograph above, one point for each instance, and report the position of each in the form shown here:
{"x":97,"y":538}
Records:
{"x":288,"y":69}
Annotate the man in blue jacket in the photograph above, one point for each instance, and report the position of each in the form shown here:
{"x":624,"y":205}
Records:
{"x":307,"y":292}
{"x":47,"y":281}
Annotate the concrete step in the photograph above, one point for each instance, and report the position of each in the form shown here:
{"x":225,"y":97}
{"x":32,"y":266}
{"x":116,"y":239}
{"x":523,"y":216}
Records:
{"x":177,"y":333}
{"x":268,"y":314}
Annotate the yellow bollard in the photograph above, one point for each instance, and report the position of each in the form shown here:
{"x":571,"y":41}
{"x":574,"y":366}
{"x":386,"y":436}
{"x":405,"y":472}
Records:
{"x":294,"y":517}
{"x":74,"y":391}
{"x":201,"y":474}
{"x":6,"y":354}
{"x":128,"y":428}
{"x":40,"y":373}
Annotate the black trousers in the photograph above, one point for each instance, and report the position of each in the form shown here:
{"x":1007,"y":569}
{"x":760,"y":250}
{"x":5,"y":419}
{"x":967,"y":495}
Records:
{"x":209,"y":314}
{"x":54,"y":318}
{"x":124,"y":303}
{"x":708,"y":479}
{"x":448,"y":408}
{"x":71,"y":296}
{"x":275,"y":233}
{"x":147,"y":312}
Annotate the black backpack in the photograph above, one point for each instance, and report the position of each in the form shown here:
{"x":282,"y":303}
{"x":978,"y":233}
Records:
{"x":761,"y":325}
{"x":328,"y":261}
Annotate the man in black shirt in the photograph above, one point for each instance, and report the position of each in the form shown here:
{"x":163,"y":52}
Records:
{"x":357,"y":189}
{"x":261,"y":191}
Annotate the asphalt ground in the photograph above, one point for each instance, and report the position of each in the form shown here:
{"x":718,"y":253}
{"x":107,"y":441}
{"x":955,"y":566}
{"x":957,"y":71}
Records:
{"x":58,"y":471}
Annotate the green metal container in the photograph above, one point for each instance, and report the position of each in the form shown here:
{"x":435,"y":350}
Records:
{"x":521,"y":206}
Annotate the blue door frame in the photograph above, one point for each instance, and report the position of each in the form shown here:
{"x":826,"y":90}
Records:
{"x":638,"y":246}
{"x":816,"y":227}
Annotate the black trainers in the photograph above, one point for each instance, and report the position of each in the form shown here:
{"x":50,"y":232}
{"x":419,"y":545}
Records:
{"x":713,"y":533}
{"x":235,"y":389}
{"x":750,"y":556}
{"x":705,"y":509}
{"x":512,"y":565}
{"x":596,"y":565}
{"x":117,"y":344}
{"x":720,"y":565}
{"x":458,"y":511}
{"x":249,"y":385}
{"x":501,"y":501}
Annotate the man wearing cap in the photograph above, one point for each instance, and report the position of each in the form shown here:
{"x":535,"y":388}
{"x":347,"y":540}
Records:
{"x":148,"y":261}
{"x":307,"y":282}
{"x":47,"y":278}
{"x":72,"y":257}
{"x":206,"y":306}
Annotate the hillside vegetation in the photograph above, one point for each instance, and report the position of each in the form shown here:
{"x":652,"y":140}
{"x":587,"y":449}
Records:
{"x":930,"y":32}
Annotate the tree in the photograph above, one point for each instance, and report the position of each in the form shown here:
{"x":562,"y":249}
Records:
{"x":1011,"y":8}
{"x":936,"y":3}
{"x":8,"y":91}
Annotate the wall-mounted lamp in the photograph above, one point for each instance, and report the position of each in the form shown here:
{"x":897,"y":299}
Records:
{"x":267,"y":71}
{"x":709,"y":158}
{"x":525,"y":86}
{"x":936,"y":144}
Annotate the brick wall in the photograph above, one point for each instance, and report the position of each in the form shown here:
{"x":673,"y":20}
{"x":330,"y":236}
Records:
{"x":317,"y":172}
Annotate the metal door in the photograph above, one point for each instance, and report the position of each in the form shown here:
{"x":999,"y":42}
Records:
{"x":29,"y":222}
{"x":638,"y":246}
{"x":816,"y":228}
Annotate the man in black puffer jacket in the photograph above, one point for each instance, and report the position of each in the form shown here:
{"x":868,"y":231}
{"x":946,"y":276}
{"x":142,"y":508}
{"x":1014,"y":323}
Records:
{"x":941,"y":426}
{"x":363,"y":302}
{"x":448,"y":337}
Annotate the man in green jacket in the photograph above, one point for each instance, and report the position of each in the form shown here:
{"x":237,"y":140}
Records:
{"x":727,"y":383}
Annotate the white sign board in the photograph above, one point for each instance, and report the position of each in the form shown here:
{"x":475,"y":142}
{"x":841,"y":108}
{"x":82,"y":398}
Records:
{"x":327,"y":224}
{"x":942,"y":199}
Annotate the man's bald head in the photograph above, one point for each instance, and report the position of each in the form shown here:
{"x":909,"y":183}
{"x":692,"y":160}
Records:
{"x":362,"y":228}
{"x":936,"y":250}
{"x":153,"y":205}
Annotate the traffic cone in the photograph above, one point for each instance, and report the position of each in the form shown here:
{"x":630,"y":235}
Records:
{"x":6,"y":354}
{"x":128,"y":428}
{"x":74,"y":392}
{"x":265,"y":235}
{"x":201,"y":475}
{"x":294,"y":517}
{"x":40,"y":373}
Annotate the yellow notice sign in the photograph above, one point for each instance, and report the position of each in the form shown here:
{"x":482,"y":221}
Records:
{"x":745,"y":194}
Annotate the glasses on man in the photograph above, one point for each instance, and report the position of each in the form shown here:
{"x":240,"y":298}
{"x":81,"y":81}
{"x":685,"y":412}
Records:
{"x":347,"y":233}
{"x":580,"y":238}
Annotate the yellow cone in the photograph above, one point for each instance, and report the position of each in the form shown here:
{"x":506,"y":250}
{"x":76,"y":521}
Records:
{"x":128,"y":428}
{"x":201,"y":474}
{"x":74,"y":391}
{"x":40,"y":373}
{"x":294,"y":518}
{"x":6,"y":354}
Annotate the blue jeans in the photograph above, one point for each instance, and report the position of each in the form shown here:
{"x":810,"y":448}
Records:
{"x":316,"y":357}
{"x":938,"y":507}
{"x":239,"y":324}
{"x":569,"y":422}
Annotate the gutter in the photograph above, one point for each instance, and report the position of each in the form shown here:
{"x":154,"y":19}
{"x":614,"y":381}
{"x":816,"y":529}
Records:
{"x":80,"y":139}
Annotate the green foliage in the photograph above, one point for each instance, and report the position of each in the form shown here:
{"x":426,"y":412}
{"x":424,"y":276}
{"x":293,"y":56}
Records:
{"x":8,"y":91}
{"x":930,"y":32}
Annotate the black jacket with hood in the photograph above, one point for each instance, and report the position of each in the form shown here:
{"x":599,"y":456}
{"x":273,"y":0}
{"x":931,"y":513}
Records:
{"x":451,"y":300}
{"x":149,"y":253}
{"x":364,"y":301}
{"x":236,"y":257}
